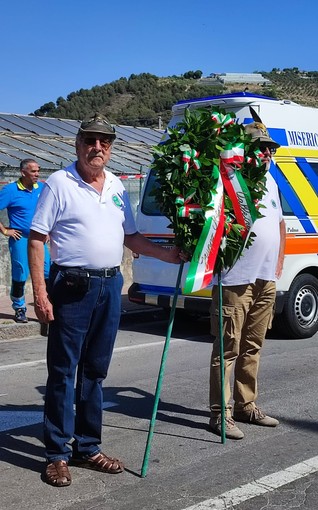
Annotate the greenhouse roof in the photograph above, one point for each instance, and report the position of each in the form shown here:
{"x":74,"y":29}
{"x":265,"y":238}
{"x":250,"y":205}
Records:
{"x":51,"y":142}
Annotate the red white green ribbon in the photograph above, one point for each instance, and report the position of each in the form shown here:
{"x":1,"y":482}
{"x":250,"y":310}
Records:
{"x":202,"y":263}
{"x":256,"y":160}
{"x":189,"y":211}
{"x":231,"y":158}
{"x":190,"y":159}
{"x":201,"y":268}
{"x":222,"y":120}
{"x":184,"y":207}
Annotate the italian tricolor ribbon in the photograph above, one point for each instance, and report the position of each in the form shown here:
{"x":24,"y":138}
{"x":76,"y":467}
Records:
{"x":222,"y":120}
{"x":229,"y":179}
{"x":256,"y":160}
{"x":190,"y":159}
{"x":202,"y":263}
{"x":232,"y":158}
{"x":188,"y":211}
{"x":184,"y":207}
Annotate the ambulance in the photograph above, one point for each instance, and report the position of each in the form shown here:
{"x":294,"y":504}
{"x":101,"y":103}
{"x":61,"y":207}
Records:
{"x":295,"y":169}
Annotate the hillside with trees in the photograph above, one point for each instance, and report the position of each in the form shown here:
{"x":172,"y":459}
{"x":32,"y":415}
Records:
{"x":146,"y":99}
{"x":295,"y":85}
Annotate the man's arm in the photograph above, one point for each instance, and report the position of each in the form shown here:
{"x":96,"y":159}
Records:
{"x":141,"y":245}
{"x":42,"y":305}
{"x":10,"y":232}
{"x":281,"y":253}
{"x":6,"y":201}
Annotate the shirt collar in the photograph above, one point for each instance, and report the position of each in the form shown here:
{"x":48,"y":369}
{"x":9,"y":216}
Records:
{"x":72,"y":172}
{"x":23,"y":188}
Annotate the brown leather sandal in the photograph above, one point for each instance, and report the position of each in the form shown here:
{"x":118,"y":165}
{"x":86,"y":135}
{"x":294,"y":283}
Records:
{"x":57,"y":474}
{"x":100,"y":462}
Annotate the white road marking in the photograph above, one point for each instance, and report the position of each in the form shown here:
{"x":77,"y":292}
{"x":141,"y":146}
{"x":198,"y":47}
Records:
{"x":21,"y":365}
{"x":269,"y":483}
{"x":149,"y":344}
{"x":117,"y":349}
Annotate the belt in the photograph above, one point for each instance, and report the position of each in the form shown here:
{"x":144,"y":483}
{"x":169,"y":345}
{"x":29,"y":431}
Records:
{"x":104,"y":272}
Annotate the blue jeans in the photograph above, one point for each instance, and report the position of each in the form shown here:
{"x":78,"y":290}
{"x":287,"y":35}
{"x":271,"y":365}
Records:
{"x":20,"y":269}
{"x":81,"y":337}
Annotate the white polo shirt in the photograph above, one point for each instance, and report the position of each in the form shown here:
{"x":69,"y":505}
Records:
{"x":86,"y":228}
{"x":260,"y":259}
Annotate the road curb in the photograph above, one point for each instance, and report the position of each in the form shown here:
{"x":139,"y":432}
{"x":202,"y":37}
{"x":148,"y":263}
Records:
{"x":10,"y":330}
{"x":13,"y":330}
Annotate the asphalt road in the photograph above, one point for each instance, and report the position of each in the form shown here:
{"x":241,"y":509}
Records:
{"x":188,"y":466}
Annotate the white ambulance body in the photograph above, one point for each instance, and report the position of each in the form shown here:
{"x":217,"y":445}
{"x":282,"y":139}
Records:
{"x":295,"y":169}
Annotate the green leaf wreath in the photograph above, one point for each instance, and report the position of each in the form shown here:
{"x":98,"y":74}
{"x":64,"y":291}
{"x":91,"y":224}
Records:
{"x":197,"y":179}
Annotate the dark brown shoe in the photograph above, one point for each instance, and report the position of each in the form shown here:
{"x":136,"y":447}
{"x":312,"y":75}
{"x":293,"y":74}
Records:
{"x":57,"y":474}
{"x":99,"y":462}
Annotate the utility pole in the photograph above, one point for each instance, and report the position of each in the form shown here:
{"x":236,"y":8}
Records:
{"x":159,"y":122}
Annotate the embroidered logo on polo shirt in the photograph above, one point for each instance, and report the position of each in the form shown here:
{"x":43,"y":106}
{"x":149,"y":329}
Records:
{"x":274,"y":204}
{"x":117,"y":201}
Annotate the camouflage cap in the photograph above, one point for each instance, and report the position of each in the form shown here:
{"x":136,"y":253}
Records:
{"x":97,"y":124}
{"x":257,"y":130}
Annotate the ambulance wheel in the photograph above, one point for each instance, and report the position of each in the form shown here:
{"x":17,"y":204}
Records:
{"x":299,"y":318}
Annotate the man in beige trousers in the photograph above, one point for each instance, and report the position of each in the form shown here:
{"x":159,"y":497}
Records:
{"x":249,"y":292}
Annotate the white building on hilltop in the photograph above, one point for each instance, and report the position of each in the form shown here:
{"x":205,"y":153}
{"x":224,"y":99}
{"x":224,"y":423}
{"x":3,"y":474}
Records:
{"x":253,"y":78}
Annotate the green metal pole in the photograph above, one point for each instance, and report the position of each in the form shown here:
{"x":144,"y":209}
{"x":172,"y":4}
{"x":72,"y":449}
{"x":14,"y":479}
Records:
{"x":221,"y":359}
{"x":160,"y":376}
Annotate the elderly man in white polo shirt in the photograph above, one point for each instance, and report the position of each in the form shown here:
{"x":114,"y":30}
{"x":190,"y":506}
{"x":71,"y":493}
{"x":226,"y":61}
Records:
{"x":86,"y":212}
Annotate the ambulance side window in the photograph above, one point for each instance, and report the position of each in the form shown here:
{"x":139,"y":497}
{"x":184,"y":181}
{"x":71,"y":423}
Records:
{"x":149,"y":206}
{"x":287,"y":210}
{"x":314,"y":166}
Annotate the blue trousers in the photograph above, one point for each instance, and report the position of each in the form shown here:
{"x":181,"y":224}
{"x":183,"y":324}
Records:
{"x":20,"y":269}
{"x":80,"y":345}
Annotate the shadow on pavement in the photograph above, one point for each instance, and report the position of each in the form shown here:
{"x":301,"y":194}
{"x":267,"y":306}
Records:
{"x":137,"y":403}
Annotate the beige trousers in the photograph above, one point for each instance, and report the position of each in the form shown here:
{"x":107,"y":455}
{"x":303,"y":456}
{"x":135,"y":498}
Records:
{"x":247,"y":314}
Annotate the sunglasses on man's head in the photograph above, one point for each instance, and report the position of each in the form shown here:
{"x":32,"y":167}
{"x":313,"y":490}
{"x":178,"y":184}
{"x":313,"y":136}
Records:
{"x":105,"y":141}
{"x":264,"y":148}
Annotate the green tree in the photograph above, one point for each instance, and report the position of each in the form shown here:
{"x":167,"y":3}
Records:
{"x":46,"y":110}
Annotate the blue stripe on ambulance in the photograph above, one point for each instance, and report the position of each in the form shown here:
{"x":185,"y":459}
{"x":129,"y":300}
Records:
{"x":279,"y":135}
{"x":309,"y":172}
{"x":302,"y":187}
{"x":153,"y":289}
{"x":292,"y":199}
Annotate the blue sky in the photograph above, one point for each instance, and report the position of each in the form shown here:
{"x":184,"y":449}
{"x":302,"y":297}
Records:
{"x":51,"y":48}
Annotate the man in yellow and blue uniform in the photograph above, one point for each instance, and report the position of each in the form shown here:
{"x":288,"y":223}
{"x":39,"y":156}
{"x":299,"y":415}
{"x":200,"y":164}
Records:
{"x":20,"y":199}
